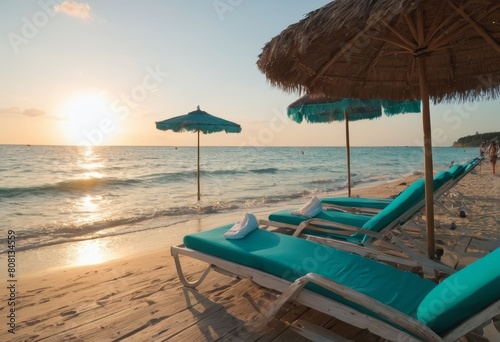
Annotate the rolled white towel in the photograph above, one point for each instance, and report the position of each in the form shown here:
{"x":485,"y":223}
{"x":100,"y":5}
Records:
{"x":243,"y":227}
{"x":310,"y":209}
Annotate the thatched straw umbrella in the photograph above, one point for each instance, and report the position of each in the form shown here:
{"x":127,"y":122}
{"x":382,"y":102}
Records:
{"x":322,"y":109}
{"x":444,"y":50}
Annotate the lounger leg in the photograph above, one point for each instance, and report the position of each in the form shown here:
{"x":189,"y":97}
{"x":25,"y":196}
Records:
{"x":429,"y":266}
{"x":301,"y":228}
{"x":444,"y":208}
{"x":183,"y":279}
{"x":488,"y":330}
{"x":316,"y":333}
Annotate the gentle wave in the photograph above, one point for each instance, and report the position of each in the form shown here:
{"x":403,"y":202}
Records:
{"x":321,"y":181}
{"x":57,"y":233}
{"x":63,"y":232}
{"x":94,"y":183}
{"x":48,"y":198}
{"x":266,"y":170}
{"x":72,"y":186}
{"x":172,"y":177}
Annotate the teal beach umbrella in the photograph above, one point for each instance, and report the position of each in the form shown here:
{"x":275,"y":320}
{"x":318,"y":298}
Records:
{"x":321,"y":109}
{"x":198,"y":121}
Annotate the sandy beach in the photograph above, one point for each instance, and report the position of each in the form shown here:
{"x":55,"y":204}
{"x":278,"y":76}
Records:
{"x":138,"y":297}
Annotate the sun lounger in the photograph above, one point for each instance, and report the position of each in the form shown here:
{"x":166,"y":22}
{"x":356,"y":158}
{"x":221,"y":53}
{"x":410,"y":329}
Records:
{"x":458,"y":172}
{"x":393,"y":304}
{"x":372,"y":205}
{"x":349,"y":231}
{"x":361,"y":205}
{"x":362,"y":227}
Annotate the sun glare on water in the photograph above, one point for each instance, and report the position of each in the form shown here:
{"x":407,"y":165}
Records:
{"x":88,"y":119}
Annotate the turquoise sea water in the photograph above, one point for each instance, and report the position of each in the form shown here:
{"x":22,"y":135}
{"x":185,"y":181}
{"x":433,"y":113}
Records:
{"x":55,"y":194}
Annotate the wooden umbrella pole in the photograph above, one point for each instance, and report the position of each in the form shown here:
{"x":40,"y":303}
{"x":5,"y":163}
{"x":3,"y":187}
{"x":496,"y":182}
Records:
{"x":348,"y":153}
{"x":428,"y":168}
{"x":198,"y":165}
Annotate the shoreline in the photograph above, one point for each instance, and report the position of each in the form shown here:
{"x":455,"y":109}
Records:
{"x":97,"y":250}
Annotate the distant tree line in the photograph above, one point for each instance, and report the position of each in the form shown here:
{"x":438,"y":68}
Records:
{"x":477,"y":139}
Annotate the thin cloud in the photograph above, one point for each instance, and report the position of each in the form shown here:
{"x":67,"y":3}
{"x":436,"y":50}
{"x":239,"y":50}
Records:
{"x":31,"y":112}
{"x":11,"y":110}
{"x":74,"y":9}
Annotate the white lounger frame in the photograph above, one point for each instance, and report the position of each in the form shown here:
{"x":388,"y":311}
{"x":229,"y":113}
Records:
{"x":296,"y":291}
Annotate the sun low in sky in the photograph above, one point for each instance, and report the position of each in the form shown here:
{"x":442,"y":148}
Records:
{"x":103,"y":72}
{"x":88,"y":118}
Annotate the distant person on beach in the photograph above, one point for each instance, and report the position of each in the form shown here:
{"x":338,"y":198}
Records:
{"x":482,"y":149}
{"x":492,"y":152}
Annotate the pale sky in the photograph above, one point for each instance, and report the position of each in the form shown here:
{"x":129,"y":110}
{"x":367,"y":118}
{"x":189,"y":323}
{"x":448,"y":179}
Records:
{"x":102,"y":72}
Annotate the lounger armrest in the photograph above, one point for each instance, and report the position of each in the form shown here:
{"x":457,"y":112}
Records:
{"x":492,"y":311}
{"x":341,"y":229}
{"x":263,"y":222}
{"x":382,"y":310}
{"x":353,"y":209}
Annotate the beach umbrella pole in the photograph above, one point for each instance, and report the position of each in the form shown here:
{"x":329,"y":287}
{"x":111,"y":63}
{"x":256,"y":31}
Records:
{"x":348,"y":153}
{"x":197,"y":121}
{"x":198,"y":165}
{"x":428,"y":168}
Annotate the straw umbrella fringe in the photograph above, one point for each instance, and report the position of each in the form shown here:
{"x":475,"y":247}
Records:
{"x":443,"y":50}
{"x":321,"y":109}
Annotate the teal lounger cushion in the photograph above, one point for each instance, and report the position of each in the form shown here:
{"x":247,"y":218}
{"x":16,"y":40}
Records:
{"x":476,"y":161}
{"x":412,"y":196}
{"x":463,"y":294}
{"x":456,"y":170}
{"x":358,"y":202}
{"x":285,"y":216}
{"x":441,"y":178}
{"x":290,"y":258}
{"x":470,"y":166}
